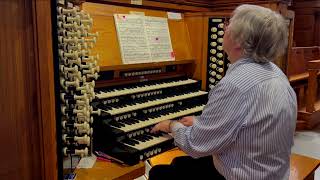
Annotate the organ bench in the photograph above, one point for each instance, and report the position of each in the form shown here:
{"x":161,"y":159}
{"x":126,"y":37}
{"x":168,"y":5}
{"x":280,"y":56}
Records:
{"x":301,"y":167}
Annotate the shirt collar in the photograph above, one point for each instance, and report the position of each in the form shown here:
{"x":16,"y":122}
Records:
{"x":237,"y":63}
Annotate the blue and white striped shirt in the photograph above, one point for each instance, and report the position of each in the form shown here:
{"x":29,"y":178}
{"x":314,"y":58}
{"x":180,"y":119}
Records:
{"x":247,"y":125}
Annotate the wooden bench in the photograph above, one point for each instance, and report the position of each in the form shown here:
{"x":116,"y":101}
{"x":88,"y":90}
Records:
{"x":301,"y":167}
{"x":110,"y":171}
{"x":303,"y":73}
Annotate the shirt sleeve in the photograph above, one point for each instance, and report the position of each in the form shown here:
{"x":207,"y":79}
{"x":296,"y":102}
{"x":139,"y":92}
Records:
{"x":218,"y":125}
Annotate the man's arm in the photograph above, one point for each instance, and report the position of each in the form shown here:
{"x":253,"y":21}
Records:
{"x":218,"y":125}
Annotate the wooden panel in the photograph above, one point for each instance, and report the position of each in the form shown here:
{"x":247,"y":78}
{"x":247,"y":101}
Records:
{"x":304,"y":28}
{"x":197,"y":32}
{"x":307,"y":21}
{"x":317,"y":29}
{"x":296,"y":64}
{"x":21,"y":155}
{"x":107,"y":45}
{"x":299,"y":58}
{"x":46,"y":96}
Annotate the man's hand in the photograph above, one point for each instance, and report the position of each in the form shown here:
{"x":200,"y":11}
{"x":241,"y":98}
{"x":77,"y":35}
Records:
{"x":163,"y":126}
{"x":187,"y":121}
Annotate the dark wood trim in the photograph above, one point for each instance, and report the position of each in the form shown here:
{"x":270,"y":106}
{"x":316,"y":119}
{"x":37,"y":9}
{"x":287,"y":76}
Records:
{"x":144,"y":65}
{"x":315,"y":64}
{"x":149,"y":4}
{"x":46,"y":96}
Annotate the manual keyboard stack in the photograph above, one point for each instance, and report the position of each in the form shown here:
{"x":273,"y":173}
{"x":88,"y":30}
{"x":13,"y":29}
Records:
{"x":128,"y":112}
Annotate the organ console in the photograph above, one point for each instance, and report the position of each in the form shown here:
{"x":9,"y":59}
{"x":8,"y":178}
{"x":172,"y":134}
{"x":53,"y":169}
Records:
{"x":112,"y":110}
{"x":129,"y":111}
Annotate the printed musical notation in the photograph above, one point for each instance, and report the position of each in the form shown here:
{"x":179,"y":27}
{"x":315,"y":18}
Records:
{"x":143,"y":39}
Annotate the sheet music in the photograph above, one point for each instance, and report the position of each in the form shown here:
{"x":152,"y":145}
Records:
{"x":143,"y":39}
{"x":132,"y":39}
{"x":159,"y":40}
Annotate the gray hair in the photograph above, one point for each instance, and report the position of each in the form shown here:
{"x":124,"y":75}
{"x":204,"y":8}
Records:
{"x":261,"y":32}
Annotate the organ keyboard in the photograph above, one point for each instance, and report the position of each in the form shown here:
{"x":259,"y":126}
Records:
{"x":126,"y":114}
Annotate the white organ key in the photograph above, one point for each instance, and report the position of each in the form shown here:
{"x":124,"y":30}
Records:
{"x":79,"y":112}
{"x":84,"y":125}
{"x":83,"y":111}
{"x":84,"y":119}
{"x":83,"y":28}
{"x":65,"y":83}
{"x":73,"y":55}
{"x":82,"y":152}
{"x":95,"y":76}
{"x":73,"y":19}
{"x":220,"y":55}
{"x":85,"y":131}
{"x":143,"y":89}
{"x":221,"y":25}
{"x":221,"y":33}
{"x":150,"y":143}
{"x":88,"y":71}
{"x":69,"y":33}
{"x":152,"y":121}
{"x":69,"y":19}
{"x":83,"y":15}
{"x":96,"y":34}
{"x":83,"y":140}
{"x":75,"y":97}
{"x":84,"y":46}
{"x":88,"y":59}
{"x":63,"y":25}
{"x":220,"y":70}
{"x":84,"y":52}
{"x":61,"y":10}
{"x":115,"y":111}
{"x":98,"y":112}
{"x":218,"y":76}
{"x":87,"y":21}
{"x":65,"y":69}
{"x":80,"y":140}
{"x":89,"y":65}
{"x":83,"y":87}
{"x":96,"y":69}
{"x":91,"y":70}
{"x":72,"y":40}
{"x":68,"y":47}
{"x":93,"y":40}
{"x":73,"y":61}
{"x":73,"y":75}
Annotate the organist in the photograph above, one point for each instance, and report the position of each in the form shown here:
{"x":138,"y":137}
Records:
{"x":246,"y":129}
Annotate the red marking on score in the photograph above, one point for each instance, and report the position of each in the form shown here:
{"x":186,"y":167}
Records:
{"x":172,"y":54}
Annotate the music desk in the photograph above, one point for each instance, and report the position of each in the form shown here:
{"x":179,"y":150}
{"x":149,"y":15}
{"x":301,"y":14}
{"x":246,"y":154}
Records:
{"x":110,"y":171}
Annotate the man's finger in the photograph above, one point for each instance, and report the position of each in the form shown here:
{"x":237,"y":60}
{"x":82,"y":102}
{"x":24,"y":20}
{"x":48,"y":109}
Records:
{"x":154,"y":129}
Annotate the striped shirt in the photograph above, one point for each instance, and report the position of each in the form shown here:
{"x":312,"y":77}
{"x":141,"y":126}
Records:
{"x":247,"y":125}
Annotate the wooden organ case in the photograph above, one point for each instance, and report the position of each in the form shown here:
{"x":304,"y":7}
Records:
{"x":128,"y":99}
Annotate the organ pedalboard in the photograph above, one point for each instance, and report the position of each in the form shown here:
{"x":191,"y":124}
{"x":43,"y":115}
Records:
{"x":78,"y":71}
{"x":217,"y":61}
{"x":126,"y":114}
